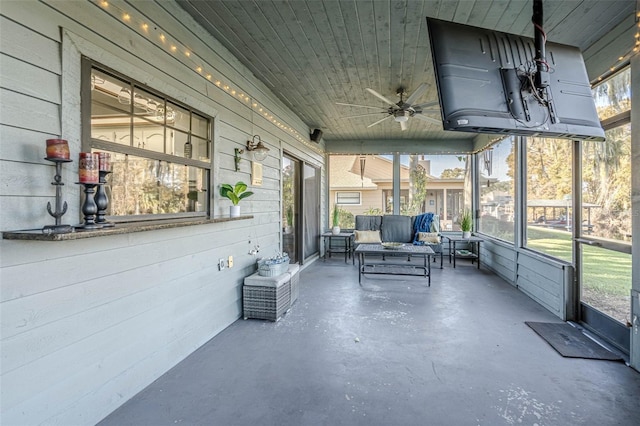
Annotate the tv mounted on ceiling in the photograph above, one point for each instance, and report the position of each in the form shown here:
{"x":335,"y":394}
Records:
{"x":487,"y":84}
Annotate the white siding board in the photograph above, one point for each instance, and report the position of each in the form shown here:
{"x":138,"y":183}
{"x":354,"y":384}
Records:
{"x":124,"y":251}
{"x":73,"y":358}
{"x":29,"y":46}
{"x":121,"y":388}
{"x":24,"y":111}
{"x":21,"y":77}
{"x":27,"y":180}
{"x":24,"y":348}
{"x":28,"y":146}
{"x":16,"y":211}
{"x":131,"y":352}
{"x":34,"y":15}
{"x":550,"y":268}
{"x":540,"y":281}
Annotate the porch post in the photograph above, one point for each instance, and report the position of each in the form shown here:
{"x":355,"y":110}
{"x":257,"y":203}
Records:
{"x":634,"y":356}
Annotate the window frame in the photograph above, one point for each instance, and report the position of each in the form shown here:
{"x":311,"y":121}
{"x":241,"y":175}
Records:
{"x":337,"y":200}
{"x":88,"y":143}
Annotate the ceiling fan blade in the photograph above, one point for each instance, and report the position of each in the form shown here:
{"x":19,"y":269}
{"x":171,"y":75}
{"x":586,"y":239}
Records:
{"x":366,"y":115}
{"x":379,"y":121}
{"x":426,"y":104}
{"x":416,"y":94}
{"x":428,"y":119}
{"x":403,"y":125}
{"x":359,"y":106}
{"x":378,"y":95}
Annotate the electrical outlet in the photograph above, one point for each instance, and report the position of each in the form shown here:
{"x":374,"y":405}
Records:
{"x":230,"y":262}
{"x":221,"y":264}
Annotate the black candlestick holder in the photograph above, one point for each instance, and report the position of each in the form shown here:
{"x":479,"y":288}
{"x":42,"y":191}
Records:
{"x":61,"y":207}
{"x":89,"y":207}
{"x":102,"y":200}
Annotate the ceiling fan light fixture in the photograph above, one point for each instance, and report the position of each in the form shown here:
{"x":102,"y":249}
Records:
{"x":401,"y":118}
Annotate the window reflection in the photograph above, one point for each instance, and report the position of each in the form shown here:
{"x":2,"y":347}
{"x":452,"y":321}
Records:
{"x":548,"y":198}
{"x":497,"y":191}
{"x":141,"y":186}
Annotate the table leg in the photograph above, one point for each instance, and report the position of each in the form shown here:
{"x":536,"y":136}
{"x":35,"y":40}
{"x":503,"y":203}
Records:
{"x":478,"y":252}
{"x":360,"y":262}
{"x":346,"y":249}
{"x":351,"y":251}
{"x":429,"y":267}
{"x":454,"y":255}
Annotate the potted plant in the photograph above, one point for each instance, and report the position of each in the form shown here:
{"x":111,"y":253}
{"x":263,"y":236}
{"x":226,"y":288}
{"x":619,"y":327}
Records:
{"x":335,"y":230}
{"x":289,"y":225}
{"x":235,"y":194}
{"x":466,"y":222}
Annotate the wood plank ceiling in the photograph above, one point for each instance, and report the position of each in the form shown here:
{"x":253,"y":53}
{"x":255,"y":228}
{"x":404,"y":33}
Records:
{"x":314,"y":53}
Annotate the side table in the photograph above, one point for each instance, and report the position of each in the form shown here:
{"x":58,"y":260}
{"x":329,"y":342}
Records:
{"x":347,"y":248}
{"x":473,"y":254}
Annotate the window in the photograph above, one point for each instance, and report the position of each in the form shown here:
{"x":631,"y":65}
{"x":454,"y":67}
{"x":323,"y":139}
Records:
{"x":439,"y":184}
{"x":348,"y":198}
{"x":497,"y":191}
{"x":548,"y":197}
{"x":160,"y":149}
{"x":606,"y":272}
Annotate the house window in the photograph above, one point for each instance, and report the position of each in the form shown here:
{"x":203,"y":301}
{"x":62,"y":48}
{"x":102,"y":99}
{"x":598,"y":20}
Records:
{"x":348,"y":198}
{"x":160,"y":148}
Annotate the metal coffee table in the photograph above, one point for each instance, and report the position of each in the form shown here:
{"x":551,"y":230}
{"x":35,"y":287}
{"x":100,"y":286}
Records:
{"x":386,"y":267}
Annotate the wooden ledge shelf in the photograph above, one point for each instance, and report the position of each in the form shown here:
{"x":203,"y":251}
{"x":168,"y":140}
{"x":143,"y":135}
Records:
{"x":120,"y":228}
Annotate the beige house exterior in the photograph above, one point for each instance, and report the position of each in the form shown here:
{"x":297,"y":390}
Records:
{"x":364,"y":185}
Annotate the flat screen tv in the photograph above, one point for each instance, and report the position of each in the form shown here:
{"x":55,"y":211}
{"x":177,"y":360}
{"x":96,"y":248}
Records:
{"x":486,"y":84}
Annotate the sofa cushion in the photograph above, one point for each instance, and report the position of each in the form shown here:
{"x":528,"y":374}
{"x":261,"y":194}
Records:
{"x":429,"y":237}
{"x":367,"y":237}
{"x":368,"y":223}
{"x":396,"y":228}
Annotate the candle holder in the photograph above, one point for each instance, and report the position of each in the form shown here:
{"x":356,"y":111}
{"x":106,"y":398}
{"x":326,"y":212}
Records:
{"x":102,"y":200}
{"x":89,"y":207}
{"x":61,"y":208}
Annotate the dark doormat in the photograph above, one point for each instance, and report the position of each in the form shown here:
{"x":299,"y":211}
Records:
{"x":571,"y":342}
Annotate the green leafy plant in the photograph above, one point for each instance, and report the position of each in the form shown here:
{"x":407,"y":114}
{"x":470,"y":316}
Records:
{"x":290,"y":216}
{"x":466,"y":221}
{"x":235,"y":193}
{"x":336,"y":216}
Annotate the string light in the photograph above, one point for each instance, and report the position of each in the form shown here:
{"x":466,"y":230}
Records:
{"x":173,"y":46}
{"x":624,"y":59}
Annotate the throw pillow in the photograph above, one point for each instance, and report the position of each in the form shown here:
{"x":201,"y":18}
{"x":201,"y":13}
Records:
{"x":367,"y":237}
{"x":429,"y":237}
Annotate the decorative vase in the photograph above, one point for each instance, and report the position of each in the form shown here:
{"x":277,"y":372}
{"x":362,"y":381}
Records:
{"x":335,"y":230}
{"x":466,"y":234}
{"x":234,"y":211}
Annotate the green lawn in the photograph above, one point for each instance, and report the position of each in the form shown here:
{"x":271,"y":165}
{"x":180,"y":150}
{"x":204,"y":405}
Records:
{"x":604,"y":271}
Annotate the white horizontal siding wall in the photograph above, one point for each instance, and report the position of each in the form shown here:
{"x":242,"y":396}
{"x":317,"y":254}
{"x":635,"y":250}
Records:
{"x":546,"y":281}
{"x":500,"y":258}
{"x":86,"y":324}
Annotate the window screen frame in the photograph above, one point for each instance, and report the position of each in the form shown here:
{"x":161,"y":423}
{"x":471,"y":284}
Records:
{"x":88,"y":143}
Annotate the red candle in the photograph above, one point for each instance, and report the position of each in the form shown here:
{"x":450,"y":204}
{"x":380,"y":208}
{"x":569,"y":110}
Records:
{"x":57,"y":148}
{"x":104,"y":161}
{"x":88,"y":167}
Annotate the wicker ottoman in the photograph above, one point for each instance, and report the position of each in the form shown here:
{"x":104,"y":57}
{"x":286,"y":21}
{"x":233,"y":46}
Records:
{"x":295,"y":279}
{"x":266,"y":297}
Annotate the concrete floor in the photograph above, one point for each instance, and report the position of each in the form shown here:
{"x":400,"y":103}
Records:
{"x":393,"y":352}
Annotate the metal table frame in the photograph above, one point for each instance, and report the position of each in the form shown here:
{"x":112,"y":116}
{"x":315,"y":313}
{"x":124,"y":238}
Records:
{"x":348,"y":245}
{"x":407,"y":251}
{"x":459,"y":239}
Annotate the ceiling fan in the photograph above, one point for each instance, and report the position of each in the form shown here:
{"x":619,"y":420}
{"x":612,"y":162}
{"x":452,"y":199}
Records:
{"x":402,"y":110}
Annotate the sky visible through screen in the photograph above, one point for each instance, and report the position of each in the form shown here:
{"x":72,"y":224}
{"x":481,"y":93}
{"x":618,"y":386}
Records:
{"x":439,"y":163}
